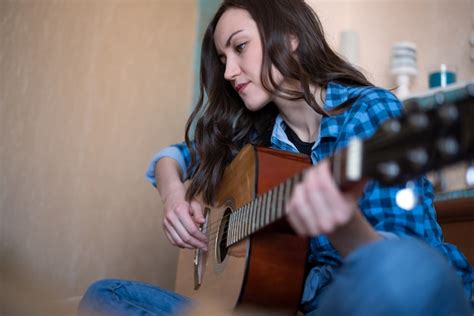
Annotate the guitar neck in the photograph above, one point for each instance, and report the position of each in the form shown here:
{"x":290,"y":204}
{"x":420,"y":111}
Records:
{"x":268,"y":208}
{"x":436,"y":132}
{"x":260,"y":212}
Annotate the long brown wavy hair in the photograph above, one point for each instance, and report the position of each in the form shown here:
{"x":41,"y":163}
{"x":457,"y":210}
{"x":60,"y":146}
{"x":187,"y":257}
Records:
{"x":221,"y":124}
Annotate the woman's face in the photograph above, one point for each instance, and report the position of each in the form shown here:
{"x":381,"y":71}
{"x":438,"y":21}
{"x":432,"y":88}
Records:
{"x":239,"y":48}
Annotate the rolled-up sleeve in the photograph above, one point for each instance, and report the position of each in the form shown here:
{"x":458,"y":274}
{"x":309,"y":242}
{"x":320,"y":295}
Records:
{"x":178,"y":152}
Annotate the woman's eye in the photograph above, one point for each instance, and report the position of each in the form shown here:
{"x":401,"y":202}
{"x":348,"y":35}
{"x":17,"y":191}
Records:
{"x":239,"y":48}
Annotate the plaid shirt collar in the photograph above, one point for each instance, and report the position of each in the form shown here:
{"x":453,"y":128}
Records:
{"x":336,"y":95}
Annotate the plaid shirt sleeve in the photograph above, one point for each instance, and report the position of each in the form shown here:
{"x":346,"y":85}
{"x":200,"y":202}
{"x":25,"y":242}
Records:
{"x":378,"y":202}
{"x":179,"y":152}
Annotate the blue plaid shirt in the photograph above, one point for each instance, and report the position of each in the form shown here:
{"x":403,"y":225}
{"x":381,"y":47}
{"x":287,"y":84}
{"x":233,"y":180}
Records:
{"x":372,"y":106}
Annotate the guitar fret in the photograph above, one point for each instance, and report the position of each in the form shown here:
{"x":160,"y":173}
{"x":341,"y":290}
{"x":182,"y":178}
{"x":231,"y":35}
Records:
{"x":245,"y":221}
{"x":241,"y":222}
{"x":237,"y":223}
{"x":262,"y":211}
{"x":234,"y":218}
{"x":255,"y":214}
{"x":274,"y":204}
{"x":259,"y":214}
{"x":229,"y":230}
{"x":275,"y":210}
{"x":280,"y":201}
{"x":268,"y":207}
{"x":251,"y":216}
{"x":288,"y":187}
{"x":247,"y":218}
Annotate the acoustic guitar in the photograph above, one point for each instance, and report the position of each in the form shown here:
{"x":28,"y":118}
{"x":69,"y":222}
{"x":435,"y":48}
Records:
{"x":254,"y":258}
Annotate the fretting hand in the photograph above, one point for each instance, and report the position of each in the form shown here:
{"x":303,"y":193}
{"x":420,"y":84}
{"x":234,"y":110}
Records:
{"x":317,"y":206}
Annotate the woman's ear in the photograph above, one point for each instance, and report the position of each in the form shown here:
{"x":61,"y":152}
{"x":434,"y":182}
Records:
{"x":294,"y":41}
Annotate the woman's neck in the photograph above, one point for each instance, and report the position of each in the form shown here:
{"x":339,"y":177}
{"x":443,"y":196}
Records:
{"x":300,"y":116}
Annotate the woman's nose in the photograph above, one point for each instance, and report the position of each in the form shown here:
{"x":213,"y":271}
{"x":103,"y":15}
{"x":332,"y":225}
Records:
{"x":232,"y":69}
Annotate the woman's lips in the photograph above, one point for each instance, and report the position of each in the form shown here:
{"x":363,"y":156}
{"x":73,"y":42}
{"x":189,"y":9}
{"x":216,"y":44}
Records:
{"x":241,"y":86}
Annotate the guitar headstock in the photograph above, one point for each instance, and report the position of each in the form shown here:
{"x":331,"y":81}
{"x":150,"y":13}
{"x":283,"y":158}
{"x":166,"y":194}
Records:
{"x":436,"y":131}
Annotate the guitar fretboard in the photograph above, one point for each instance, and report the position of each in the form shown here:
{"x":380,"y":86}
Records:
{"x":270,"y":206}
{"x":260,"y":212}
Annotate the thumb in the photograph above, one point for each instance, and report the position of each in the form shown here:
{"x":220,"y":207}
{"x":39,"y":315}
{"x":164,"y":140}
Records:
{"x":196,"y":211}
{"x":356,"y":191}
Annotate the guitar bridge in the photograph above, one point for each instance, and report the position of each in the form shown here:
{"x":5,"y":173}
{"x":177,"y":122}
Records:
{"x":199,"y":255}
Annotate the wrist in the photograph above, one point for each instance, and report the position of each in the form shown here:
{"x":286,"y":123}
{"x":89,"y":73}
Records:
{"x":357,"y":232}
{"x":173,"y":191}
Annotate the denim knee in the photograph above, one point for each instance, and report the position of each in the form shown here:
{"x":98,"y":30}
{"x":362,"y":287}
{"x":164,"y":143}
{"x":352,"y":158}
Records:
{"x":96,"y":294}
{"x":398,"y":277}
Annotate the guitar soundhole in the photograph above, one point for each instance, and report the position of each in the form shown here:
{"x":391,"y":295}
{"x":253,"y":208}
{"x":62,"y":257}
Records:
{"x":222,"y":237}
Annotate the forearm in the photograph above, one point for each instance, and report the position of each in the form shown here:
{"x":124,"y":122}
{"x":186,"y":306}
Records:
{"x":168,"y":177}
{"x":356,"y":233}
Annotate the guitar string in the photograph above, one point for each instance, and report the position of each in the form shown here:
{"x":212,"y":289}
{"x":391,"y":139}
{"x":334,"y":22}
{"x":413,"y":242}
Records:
{"x":278,"y":194}
{"x":276,"y":197}
{"x":213,"y":232}
{"x":247,"y":220}
{"x":217,"y":222}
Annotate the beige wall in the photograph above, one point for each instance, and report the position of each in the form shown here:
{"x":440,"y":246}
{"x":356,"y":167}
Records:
{"x":440,"y":29}
{"x":88,"y":91}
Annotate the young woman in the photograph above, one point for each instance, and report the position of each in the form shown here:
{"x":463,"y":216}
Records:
{"x":271,"y":79}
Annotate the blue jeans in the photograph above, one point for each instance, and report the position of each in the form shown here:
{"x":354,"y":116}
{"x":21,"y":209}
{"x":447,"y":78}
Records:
{"x":389,"y":277}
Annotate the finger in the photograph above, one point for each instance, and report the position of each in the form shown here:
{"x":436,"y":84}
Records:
{"x":340,"y":204}
{"x":170,"y":239}
{"x":320,"y":200}
{"x":174,"y":225}
{"x":356,"y":191}
{"x":321,"y":213}
{"x":175,"y":238}
{"x":184,"y":215}
{"x":197,"y":212}
{"x":294,"y":222}
{"x":190,"y":226}
{"x":186,"y":236}
{"x":298,"y":212}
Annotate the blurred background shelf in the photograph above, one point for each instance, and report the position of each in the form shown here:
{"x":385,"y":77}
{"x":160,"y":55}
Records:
{"x":455,"y":211}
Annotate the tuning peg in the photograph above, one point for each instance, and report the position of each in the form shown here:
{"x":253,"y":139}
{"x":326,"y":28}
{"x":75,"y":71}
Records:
{"x":418,"y":120}
{"x":388,"y":170}
{"x":418,"y":157}
{"x":412,"y":106}
{"x":448,"y":147}
{"x":392,"y":126}
{"x":448,"y":114}
{"x":439,"y":98}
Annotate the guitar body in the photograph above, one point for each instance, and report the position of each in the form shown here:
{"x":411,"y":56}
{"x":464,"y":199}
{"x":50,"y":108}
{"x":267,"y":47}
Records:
{"x":266,"y":270}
